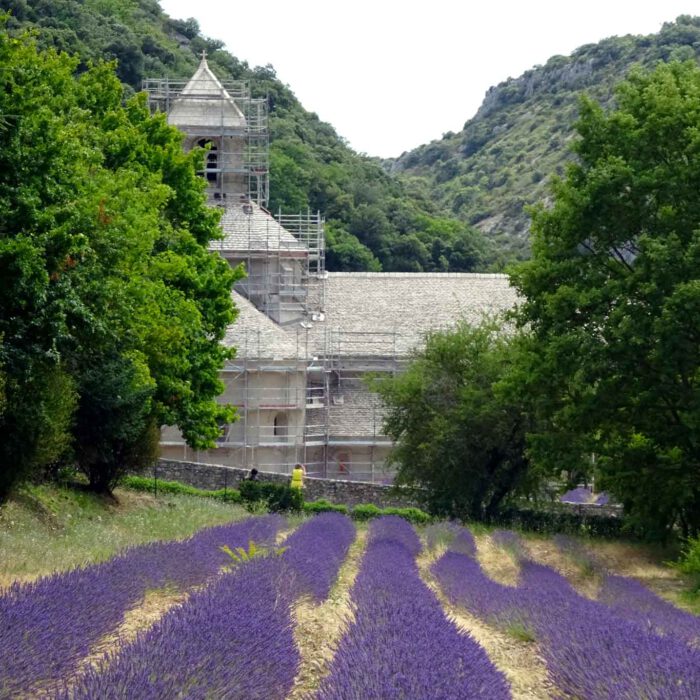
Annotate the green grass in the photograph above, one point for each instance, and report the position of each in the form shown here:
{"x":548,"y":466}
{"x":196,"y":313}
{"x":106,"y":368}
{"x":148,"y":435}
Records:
{"x":49,"y":528}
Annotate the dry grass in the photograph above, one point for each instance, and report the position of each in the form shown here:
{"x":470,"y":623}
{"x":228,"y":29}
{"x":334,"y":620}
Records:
{"x":544,"y":551}
{"x":518,"y":660}
{"x":636,"y":560}
{"x":496,"y":562}
{"x":319,"y":628}
{"x":644,"y":563}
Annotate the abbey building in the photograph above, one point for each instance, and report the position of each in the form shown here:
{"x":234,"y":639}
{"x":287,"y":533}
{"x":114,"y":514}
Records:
{"x":305,"y":337}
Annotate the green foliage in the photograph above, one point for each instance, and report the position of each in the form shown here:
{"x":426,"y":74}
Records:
{"x":76,"y":527}
{"x":413,"y":515}
{"x":563,"y":521}
{"x":690,"y":562}
{"x":521,"y":631}
{"x":612,"y":300}
{"x":276,"y":497}
{"x":241,"y":555}
{"x":374,"y":221}
{"x":322,"y":506}
{"x":368,"y":511}
{"x":141,"y":483}
{"x":112,"y":306}
{"x":365,"y":511}
{"x":459,"y":434}
{"x":504,"y":156}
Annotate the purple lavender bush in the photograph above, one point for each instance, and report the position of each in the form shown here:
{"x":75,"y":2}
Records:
{"x":49,"y":625}
{"x":233,"y":639}
{"x":590,"y":651}
{"x":401,"y":644}
{"x":315,"y":552}
{"x":631,"y":600}
{"x":456,"y":536}
{"x":391,"y":528}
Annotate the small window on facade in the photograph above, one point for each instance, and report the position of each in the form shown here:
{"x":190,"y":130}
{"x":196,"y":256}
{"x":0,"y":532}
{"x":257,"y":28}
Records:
{"x":212,"y":163}
{"x":280,"y":425}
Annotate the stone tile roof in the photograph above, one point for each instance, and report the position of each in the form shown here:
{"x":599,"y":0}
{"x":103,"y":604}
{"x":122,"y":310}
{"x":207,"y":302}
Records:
{"x":389,"y":313}
{"x":204,"y":103}
{"x":373,"y":314}
{"x":355,"y":411}
{"x":247,"y":227}
{"x":256,"y":336}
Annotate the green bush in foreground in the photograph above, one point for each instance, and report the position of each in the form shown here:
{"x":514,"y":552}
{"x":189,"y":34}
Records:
{"x":368,"y":511}
{"x":142,"y":483}
{"x":323,"y":506}
{"x":277,"y":497}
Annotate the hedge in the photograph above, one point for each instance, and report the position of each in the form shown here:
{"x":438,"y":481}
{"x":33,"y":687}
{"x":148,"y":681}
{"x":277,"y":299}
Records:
{"x":142,"y":483}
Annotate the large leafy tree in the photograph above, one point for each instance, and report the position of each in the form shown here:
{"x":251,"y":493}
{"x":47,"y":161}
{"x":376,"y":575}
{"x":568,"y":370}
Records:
{"x":459,"y":429}
{"x":104,"y":272}
{"x":612,"y":297}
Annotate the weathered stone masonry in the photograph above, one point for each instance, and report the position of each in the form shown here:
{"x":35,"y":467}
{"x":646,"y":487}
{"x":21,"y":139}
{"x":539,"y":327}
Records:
{"x":215,"y":476}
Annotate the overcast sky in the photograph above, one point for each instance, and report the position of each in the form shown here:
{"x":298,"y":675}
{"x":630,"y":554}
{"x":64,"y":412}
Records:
{"x":390,"y":76}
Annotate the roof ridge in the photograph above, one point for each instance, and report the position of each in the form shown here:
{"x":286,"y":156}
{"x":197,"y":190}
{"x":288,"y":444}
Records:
{"x":416,"y":275}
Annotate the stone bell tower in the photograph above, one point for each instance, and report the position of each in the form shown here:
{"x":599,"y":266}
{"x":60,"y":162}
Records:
{"x":223,"y":117}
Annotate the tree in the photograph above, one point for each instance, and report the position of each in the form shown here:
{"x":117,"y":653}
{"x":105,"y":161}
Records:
{"x":104,"y":270}
{"x":612,"y":298}
{"x":460,"y":435}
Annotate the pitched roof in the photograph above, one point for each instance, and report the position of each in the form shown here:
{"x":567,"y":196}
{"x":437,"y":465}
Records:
{"x":204,"y":102}
{"x":256,"y":336}
{"x":373,"y":314}
{"x":385,"y":313}
{"x":248,"y":227}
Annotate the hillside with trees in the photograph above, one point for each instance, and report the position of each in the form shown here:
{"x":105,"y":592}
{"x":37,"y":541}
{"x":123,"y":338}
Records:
{"x":503,"y":158}
{"x":374,"y":221}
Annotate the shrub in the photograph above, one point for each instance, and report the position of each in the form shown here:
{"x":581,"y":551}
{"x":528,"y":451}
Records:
{"x":690,"y":562}
{"x":561,"y":521}
{"x":142,"y":483}
{"x":277,"y":497}
{"x":322,"y":506}
{"x":413,"y":515}
{"x":367,"y":511}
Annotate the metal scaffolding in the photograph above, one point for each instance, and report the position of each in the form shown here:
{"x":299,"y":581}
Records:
{"x":297,"y":419}
{"x":238,"y":148}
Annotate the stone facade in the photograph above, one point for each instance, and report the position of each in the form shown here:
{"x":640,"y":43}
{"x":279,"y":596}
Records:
{"x":212,"y":477}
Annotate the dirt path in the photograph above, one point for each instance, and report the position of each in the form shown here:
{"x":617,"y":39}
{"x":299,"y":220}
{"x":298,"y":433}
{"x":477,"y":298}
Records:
{"x":319,"y":628}
{"x":519,"y":661}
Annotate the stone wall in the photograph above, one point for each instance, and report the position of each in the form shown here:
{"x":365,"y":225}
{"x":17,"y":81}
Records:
{"x":214,"y":476}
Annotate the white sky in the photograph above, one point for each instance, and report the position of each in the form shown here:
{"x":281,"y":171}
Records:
{"x":391,"y":75}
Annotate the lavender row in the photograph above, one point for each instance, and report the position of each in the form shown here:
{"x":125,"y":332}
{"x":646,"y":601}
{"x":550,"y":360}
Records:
{"x":235,"y":638}
{"x":590,"y":651}
{"x":401,"y":645}
{"x":631,"y":600}
{"x":315,"y":552}
{"x":48,"y":626}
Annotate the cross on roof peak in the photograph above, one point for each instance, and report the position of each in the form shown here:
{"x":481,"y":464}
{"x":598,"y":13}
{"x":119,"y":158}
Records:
{"x":204,"y":54}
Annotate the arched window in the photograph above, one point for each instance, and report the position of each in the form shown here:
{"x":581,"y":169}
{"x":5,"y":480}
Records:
{"x":281,"y":425}
{"x":212,"y":163}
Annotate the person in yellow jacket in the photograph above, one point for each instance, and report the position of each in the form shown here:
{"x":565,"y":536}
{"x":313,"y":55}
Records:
{"x":298,"y":474}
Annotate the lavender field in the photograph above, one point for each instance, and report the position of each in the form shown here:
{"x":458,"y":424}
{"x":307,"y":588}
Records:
{"x":400,"y":613}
